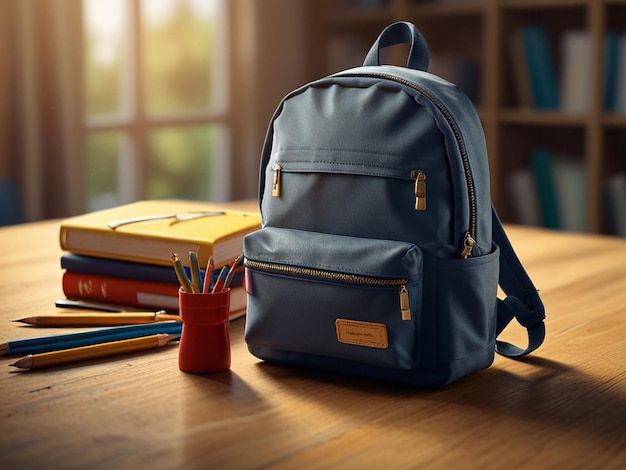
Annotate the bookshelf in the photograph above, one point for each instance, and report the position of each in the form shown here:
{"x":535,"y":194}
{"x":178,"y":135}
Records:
{"x":478,"y":36}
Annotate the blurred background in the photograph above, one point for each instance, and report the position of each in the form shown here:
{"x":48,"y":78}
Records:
{"x":103,"y":102}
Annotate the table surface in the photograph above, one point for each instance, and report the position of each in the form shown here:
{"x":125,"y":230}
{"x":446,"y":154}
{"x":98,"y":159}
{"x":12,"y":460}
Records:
{"x":564,"y":405}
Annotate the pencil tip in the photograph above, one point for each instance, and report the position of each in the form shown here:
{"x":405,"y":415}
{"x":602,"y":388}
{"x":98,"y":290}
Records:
{"x":24,"y":362}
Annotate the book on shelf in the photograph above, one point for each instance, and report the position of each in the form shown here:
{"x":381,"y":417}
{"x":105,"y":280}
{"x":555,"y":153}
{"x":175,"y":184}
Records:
{"x":519,"y":72}
{"x":560,"y":181}
{"x":546,"y":191}
{"x":576,"y":70}
{"x":522,"y":187}
{"x":541,"y":68}
{"x":534,"y":74}
{"x":150,"y":231}
{"x":136,"y":293}
{"x":569,"y":173}
{"x":620,"y":82}
{"x":131,"y":270}
{"x":611,"y":54}
{"x":615,"y":198}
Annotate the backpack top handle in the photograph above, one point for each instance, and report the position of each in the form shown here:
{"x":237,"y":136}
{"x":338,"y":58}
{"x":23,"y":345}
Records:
{"x":401,"y":32}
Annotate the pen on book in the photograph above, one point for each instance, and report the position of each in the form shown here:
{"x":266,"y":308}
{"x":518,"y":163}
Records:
{"x":98,"y":319}
{"x":72,"y":340}
{"x":181,"y":274}
{"x":208,"y":276}
{"x":65,"y":356}
{"x":231,"y":272}
{"x":92,"y":305}
{"x":194,"y":268}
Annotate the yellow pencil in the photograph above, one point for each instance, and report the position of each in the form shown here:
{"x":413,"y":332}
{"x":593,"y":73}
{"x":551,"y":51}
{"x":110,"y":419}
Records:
{"x":98,"y":319}
{"x":65,"y":356}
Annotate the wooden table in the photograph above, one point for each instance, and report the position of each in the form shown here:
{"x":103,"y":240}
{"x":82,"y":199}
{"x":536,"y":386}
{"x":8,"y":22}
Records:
{"x":565,"y":406}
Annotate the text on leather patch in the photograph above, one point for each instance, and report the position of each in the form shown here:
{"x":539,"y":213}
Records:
{"x":360,"y":333}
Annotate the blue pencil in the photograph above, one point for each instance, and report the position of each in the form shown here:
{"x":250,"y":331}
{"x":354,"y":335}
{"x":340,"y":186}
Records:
{"x":86,"y":338}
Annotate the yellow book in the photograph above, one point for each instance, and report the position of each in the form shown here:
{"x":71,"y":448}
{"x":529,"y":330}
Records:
{"x":150,"y":231}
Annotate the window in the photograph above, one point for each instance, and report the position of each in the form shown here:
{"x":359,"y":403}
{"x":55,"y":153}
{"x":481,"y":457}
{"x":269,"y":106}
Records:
{"x":157,"y":110}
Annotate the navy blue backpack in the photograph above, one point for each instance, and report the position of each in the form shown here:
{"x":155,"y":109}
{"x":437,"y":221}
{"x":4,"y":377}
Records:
{"x":380,"y":253}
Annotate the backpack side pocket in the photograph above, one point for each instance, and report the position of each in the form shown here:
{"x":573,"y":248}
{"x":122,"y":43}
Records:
{"x":466,"y":308}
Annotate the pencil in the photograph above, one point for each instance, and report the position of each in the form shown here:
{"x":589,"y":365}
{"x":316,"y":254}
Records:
{"x":231,"y":272}
{"x":208,"y":276}
{"x":97,"y":319}
{"x":219,"y":284}
{"x":73,"y":340}
{"x":181,"y":274}
{"x":195,"y":272}
{"x":66,"y":356}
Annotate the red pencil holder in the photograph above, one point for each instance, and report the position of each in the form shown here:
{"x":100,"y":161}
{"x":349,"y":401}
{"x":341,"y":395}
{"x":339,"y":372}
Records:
{"x":205,"y":340}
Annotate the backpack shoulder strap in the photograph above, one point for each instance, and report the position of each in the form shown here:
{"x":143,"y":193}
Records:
{"x":522,"y":301}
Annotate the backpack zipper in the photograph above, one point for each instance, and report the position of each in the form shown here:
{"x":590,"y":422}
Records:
{"x":345,"y":278}
{"x":420,"y":189}
{"x":276,"y":184}
{"x":418,"y":176}
{"x":469,"y":240}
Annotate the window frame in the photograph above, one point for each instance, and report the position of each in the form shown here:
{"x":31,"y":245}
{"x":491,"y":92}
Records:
{"x":134,"y":124}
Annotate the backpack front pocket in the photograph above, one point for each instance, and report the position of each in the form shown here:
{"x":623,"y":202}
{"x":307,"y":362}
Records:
{"x":331,"y":295}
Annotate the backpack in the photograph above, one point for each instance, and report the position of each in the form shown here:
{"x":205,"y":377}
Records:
{"x":380,"y":253}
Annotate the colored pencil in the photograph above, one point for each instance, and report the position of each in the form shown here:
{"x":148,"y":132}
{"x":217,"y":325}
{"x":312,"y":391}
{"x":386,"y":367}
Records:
{"x":181,"y":274}
{"x":194,"y":269}
{"x":43,"y":344}
{"x":231,"y":271}
{"x":219,"y":284}
{"x":66,"y":356}
{"x":208,"y":276}
{"x":97,"y":319}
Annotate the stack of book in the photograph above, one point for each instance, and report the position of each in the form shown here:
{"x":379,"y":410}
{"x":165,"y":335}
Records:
{"x":122,"y":256}
{"x":560,"y":78}
{"x":551,"y":193}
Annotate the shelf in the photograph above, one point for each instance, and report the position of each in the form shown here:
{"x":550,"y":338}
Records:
{"x":447,"y":9}
{"x":615,"y":120}
{"x":543,"y":4}
{"x":541,"y":118}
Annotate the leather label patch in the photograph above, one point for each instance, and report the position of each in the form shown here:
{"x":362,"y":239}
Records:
{"x":371,"y":335}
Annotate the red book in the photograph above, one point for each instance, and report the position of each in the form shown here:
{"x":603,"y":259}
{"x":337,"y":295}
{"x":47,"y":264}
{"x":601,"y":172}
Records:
{"x":121,"y":291}
{"x":135,"y":293}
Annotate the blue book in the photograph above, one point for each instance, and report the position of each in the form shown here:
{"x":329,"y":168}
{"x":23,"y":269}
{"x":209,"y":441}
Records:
{"x":546,"y":186}
{"x":128,"y":269}
{"x":540,"y":67}
{"x":117,"y":268}
{"x":615,"y":204}
{"x":569,"y":172}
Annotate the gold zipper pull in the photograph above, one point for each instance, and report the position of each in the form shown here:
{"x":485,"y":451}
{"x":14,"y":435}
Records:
{"x":405,"y":307}
{"x":276,"y":185}
{"x":468,"y":244}
{"x":420,"y":189}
